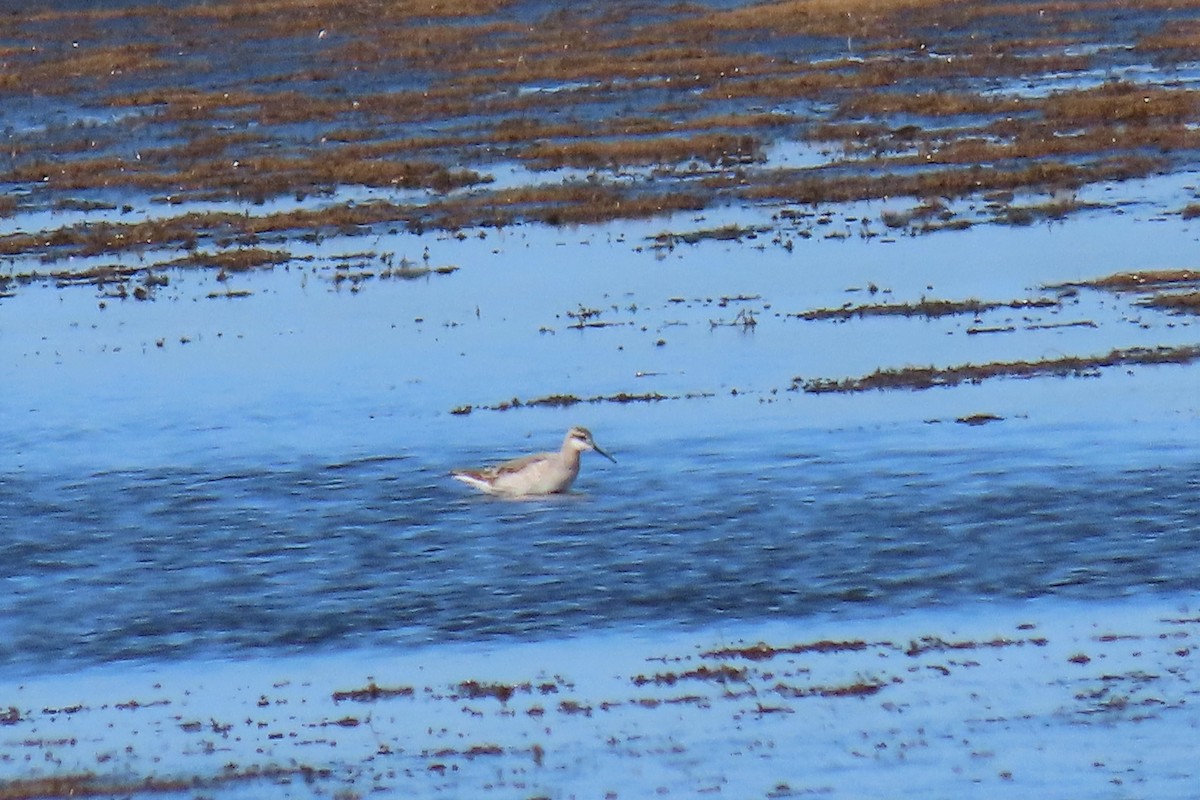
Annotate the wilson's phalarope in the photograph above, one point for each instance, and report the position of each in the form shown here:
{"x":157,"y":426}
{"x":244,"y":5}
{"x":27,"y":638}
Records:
{"x":540,"y":473}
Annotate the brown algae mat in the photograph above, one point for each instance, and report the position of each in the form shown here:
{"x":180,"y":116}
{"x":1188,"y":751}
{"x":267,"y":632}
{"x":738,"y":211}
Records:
{"x":915,"y":704}
{"x":218,"y":137}
{"x":929,"y":377}
{"x":1173,"y":291}
{"x":143,"y":104}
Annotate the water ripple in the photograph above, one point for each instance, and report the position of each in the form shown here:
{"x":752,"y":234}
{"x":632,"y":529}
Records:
{"x":183,"y":562}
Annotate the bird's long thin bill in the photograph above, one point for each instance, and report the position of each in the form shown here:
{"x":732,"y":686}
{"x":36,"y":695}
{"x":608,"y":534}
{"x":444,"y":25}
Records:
{"x":601,"y":452}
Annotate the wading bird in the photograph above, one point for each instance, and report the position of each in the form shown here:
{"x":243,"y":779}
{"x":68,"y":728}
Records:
{"x":537,"y":474}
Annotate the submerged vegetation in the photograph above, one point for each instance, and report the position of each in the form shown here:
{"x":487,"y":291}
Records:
{"x":929,"y":377}
{"x":227,"y":136}
{"x":425,"y":103}
{"x":1173,"y":290}
{"x":924,"y":308}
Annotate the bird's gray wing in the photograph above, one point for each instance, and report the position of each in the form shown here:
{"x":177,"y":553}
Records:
{"x":515,"y":465}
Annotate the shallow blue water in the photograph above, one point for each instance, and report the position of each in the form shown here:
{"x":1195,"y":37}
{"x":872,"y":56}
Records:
{"x":272,"y":478}
{"x":172,"y":563}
